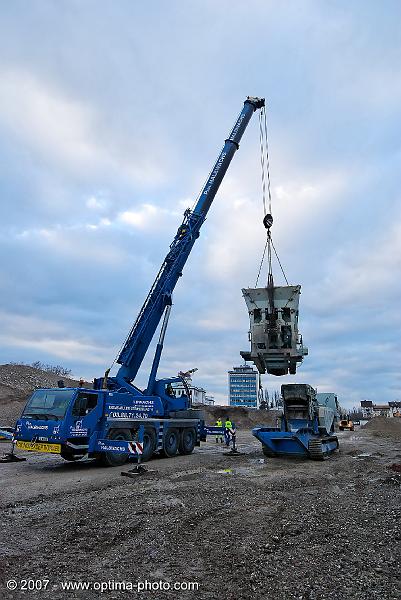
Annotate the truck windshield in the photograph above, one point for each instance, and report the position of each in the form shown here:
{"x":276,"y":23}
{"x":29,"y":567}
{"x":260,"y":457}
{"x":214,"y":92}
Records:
{"x":48,"y":404}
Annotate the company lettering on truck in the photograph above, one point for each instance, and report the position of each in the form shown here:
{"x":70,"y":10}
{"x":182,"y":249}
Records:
{"x":140,"y":404}
{"x":140,"y":410}
{"x":128,"y":415}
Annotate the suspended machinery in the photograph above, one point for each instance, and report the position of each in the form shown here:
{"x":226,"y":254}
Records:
{"x":276,"y":345}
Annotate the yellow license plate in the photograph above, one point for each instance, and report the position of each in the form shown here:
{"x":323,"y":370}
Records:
{"x":39,"y":447}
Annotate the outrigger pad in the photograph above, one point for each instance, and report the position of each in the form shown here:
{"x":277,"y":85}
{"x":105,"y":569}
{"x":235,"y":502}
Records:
{"x":137,"y":470}
{"x":10,"y":457}
{"x":233,"y":453}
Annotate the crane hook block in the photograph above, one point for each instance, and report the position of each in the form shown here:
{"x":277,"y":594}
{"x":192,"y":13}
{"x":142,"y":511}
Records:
{"x":268,"y":221}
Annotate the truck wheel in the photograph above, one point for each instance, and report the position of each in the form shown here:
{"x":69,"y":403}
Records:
{"x":149,"y":443}
{"x":170,"y":443}
{"x":187,"y":441}
{"x":112,"y":459}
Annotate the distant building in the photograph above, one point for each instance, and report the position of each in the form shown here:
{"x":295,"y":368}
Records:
{"x":395,"y":408}
{"x":243,"y":386}
{"x":382,"y":410}
{"x":198,"y":394}
{"x":369,"y":410}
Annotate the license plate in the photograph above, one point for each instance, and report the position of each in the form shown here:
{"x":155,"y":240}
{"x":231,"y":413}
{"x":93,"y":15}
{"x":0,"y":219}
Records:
{"x":39,"y":447}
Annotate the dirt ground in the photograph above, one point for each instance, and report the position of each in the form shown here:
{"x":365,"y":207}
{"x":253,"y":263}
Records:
{"x":237,"y":528}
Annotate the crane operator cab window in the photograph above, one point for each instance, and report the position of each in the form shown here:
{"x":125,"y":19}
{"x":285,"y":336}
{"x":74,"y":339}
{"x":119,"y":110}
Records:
{"x":84,"y":403}
{"x":170,"y":390}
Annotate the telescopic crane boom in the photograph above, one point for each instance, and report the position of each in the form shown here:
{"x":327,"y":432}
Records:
{"x":159,"y":297}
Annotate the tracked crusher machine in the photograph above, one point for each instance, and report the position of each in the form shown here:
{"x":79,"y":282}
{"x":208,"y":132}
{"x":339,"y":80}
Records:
{"x":306,"y":427}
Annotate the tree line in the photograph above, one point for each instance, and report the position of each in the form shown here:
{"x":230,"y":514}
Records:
{"x":53,"y":369}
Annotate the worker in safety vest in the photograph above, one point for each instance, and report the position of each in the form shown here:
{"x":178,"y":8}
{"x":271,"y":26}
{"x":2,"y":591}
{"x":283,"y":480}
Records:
{"x":227,"y":427}
{"x":219,"y":423}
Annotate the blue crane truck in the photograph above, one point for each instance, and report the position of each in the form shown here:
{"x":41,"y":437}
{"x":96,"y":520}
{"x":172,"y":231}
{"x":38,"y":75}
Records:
{"x":116,"y":420}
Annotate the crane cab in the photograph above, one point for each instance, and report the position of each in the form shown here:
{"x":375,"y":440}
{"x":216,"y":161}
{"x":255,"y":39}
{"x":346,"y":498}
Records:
{"x":276,"y":346}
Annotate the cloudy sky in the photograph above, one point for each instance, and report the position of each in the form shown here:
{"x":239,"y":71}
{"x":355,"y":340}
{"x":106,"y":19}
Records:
{"x":111,"y":116}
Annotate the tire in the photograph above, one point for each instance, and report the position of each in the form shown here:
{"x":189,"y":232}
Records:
{"x":341,"y":428}
{"x":170,"y":443}
{"x":149,"y":443}
{"x":187,"y":441}
{"x":111,"y":459}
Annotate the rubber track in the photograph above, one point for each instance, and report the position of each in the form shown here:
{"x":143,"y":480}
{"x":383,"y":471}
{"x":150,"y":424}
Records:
{"x":315,"y":447}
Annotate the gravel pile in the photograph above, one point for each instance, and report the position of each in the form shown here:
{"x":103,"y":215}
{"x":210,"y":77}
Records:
{"x":26,"y":379}
{"x":17,"y":382}
{"x":242,"y":417}
{"x":384,"y":426}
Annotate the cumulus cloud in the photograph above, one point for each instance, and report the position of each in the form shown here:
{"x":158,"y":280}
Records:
{"x":35,"y":334}
{"x":139,"y":218}
{"x":66,"y":132}
{"x":96,"y":203}
{"x":363,"y":273}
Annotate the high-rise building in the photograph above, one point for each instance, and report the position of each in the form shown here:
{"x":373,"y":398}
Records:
{"x":243,"y":386}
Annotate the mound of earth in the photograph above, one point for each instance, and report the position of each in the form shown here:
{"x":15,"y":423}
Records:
{"x":17,"y":382}
{"x":242,"y":417}
{"x":385,"y":426}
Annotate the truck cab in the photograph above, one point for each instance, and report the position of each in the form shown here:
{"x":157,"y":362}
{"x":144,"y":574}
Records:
{"x":60,"y":421}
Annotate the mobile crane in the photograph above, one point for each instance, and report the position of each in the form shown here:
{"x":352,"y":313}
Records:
{"x":116,"y":419}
